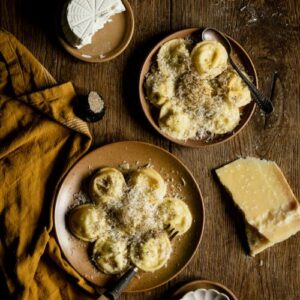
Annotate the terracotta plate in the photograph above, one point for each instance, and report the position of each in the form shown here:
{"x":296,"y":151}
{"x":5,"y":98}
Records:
{"x":202,"y":284}
{"x":108,"y":42}
{"x":76,"y":252}
{"x":239,"y":55}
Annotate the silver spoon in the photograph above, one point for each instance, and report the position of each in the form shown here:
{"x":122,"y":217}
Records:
{"x":210,"y":34}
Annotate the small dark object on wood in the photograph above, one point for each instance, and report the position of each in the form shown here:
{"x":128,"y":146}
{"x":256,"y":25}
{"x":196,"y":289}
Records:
{"x":93,"y":109}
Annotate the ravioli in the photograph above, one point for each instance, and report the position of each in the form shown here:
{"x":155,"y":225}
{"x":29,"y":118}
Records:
{"x":159,"y":88}
{"x":111,"y":255}
{"x":150,"y":183}
{"x":173,"y":58}
{"x":176,"y":123}
{"x":87,"y":222}
{"x":152,"y":253}
{"x":176,"y":213}
{"x":234,"y":89}
{"x":209,"y":59}
{"x":107,"y":184}
{"x":224,"y":119}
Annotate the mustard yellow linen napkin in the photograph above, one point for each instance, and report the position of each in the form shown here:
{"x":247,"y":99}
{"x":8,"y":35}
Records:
{"x":40,"y":138}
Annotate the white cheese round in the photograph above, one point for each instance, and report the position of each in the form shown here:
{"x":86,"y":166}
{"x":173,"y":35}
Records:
{"x":81,"y":19}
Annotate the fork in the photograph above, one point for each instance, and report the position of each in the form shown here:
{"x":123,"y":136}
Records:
{"x":115,"y":290}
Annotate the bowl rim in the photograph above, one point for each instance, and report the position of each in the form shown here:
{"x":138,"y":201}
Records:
{"x":144,"y":102}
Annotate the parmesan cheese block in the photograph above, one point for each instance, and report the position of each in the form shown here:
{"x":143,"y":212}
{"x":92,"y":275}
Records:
{"x":260,"y":190}
{"x":81,"y":19}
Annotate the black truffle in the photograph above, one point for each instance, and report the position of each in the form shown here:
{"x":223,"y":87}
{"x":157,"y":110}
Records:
{"x":93,"y":109}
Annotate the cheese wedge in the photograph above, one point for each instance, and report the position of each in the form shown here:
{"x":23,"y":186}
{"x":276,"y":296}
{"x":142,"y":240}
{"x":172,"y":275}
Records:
{"x":260,"y":190}
{"x":81,"y":19}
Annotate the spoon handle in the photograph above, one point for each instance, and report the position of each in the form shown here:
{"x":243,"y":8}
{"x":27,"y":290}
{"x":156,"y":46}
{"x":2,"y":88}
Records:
{"x":263,"y":102}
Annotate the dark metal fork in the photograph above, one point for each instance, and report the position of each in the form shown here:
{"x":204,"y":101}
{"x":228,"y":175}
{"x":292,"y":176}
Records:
{"x":114,"y":291}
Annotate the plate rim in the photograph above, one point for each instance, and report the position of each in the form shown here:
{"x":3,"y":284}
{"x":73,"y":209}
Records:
{"x":123,"y":47}
{"x":143,"y":101}
{"x":201,"y":204}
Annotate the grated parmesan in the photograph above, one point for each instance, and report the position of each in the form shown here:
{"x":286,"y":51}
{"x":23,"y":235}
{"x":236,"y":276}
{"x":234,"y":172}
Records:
{"x":193,"y":107}
{"x":129,"y":220}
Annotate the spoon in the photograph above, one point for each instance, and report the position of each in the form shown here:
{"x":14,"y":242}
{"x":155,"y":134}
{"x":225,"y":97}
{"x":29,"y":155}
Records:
{"x":210,"y":34}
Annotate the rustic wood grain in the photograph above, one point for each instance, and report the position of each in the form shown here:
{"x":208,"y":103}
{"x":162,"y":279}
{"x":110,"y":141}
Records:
{"x":270,"y":32}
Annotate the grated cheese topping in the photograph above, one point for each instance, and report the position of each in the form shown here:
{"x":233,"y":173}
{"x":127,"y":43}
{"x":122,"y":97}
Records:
{"x":194,"y":106}
{"x":135,"y":220}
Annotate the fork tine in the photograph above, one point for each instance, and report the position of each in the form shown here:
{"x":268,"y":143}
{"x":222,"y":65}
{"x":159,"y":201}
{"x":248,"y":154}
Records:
{"x":172,"y":233}
{"x":167,"y":227}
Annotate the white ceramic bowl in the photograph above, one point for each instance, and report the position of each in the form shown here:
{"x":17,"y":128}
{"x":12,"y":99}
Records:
{"x":203,"y":294}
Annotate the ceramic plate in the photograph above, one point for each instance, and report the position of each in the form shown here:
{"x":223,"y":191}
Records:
{"x":239,"y":55}
{"x":108,"y":42}
{"x":202,"y":284}
{"x":135,"y":153}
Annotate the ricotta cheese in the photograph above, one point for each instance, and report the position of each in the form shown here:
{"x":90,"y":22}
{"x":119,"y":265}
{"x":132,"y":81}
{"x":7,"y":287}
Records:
{"x":81,"y":19}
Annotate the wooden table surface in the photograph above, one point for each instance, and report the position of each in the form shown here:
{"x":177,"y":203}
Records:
{"x":270,"y":32}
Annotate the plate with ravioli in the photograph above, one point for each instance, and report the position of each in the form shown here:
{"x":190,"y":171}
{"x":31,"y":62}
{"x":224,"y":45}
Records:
{"x":115,"y":207}
{"x":190,"y":93}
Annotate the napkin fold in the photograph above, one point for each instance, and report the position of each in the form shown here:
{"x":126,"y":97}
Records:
{"x":40,"y":138}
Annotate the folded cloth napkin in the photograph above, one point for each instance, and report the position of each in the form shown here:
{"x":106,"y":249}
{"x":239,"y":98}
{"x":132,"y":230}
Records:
{"x":40,"y":138}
